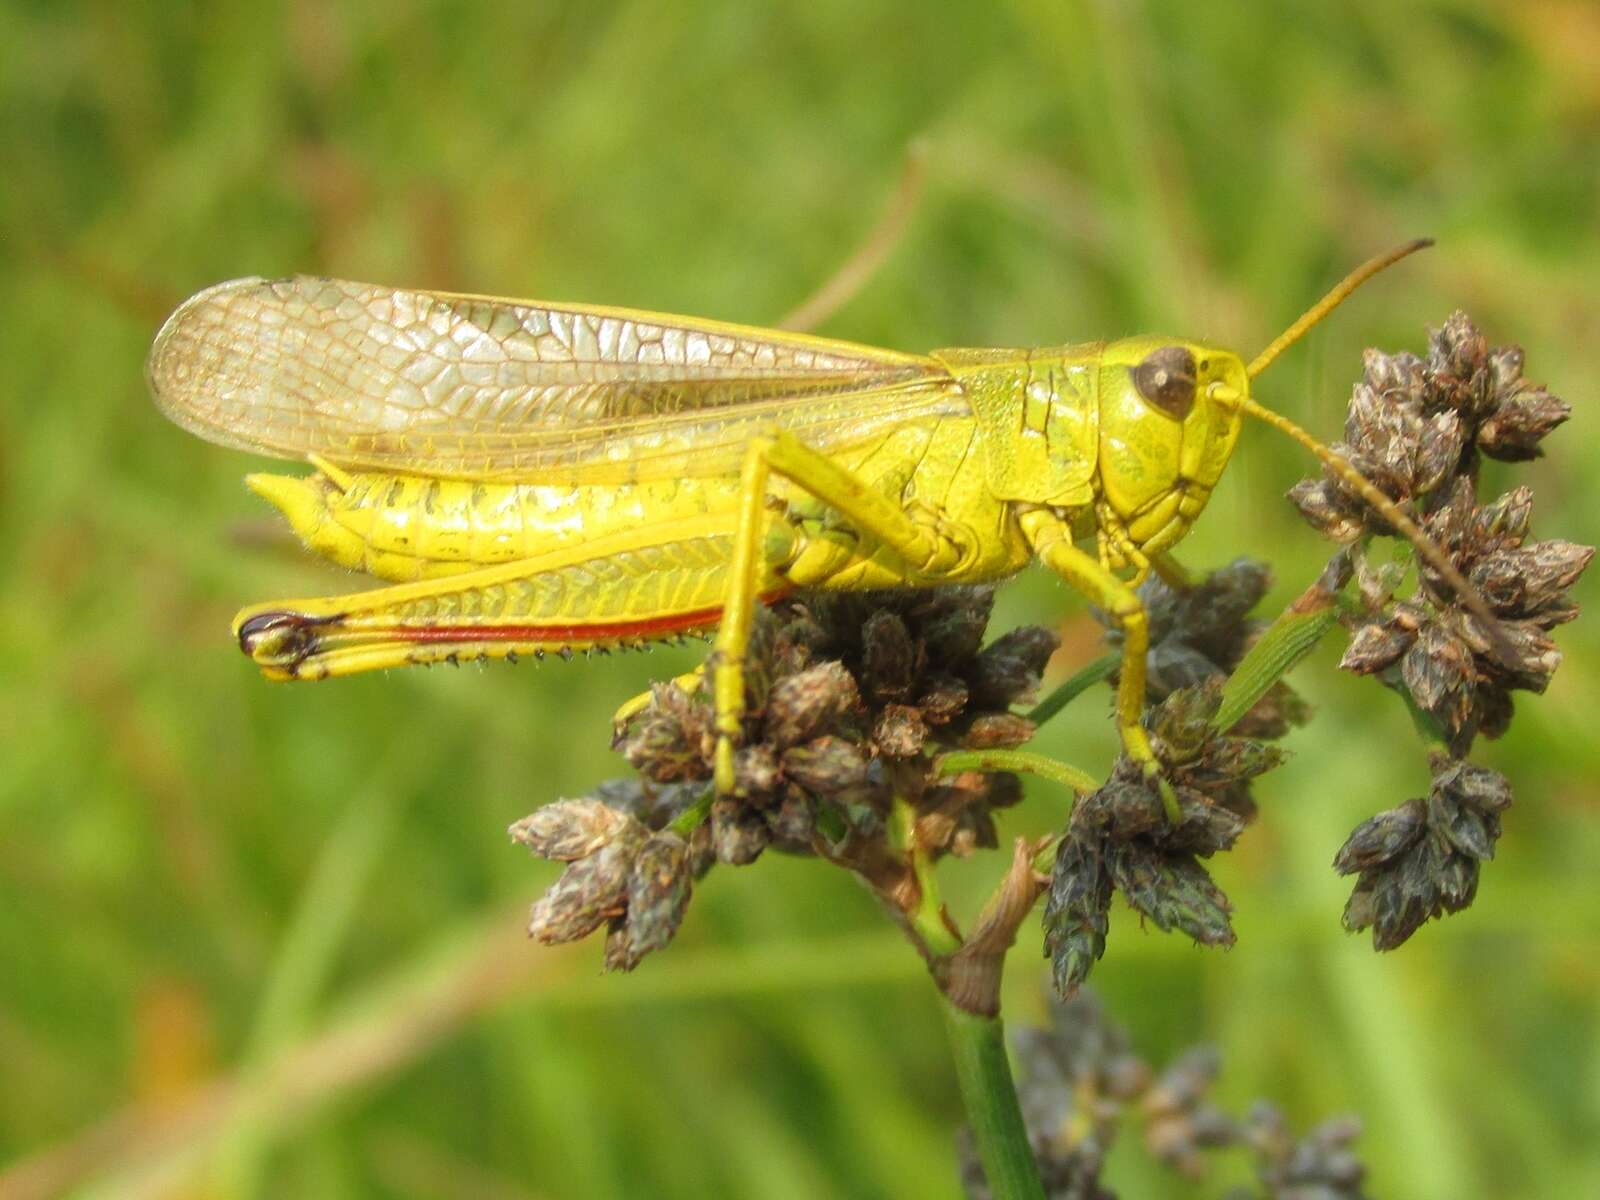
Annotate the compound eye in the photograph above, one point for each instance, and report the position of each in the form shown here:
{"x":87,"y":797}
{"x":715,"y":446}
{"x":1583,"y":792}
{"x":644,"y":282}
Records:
{"x":1166,"y":378}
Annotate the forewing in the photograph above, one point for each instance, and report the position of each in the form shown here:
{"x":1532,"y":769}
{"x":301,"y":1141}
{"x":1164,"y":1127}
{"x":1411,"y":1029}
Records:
{"x":429,"y":382}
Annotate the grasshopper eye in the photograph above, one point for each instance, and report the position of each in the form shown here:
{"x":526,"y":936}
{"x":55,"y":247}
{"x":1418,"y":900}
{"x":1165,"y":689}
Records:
{"x":1166,"y":378}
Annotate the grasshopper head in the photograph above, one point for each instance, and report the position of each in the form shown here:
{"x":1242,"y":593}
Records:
{"x":1169,"y":418}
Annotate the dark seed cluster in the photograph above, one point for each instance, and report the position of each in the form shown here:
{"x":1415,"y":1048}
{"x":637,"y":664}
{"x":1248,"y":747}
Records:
{"x":1318,"y":1166}
{"x":619,"y":874}
{"x":1421,"y":858}
{"x":1415,"y":423}
{"x":1120,"y":838}
{"x":1439,"y":653}
{"x":842,"y":689}
{"x":1080,"y":1082}
{"x":847,"y":696}
{"x":1200,"y":633}
{"x":1420,"y":428}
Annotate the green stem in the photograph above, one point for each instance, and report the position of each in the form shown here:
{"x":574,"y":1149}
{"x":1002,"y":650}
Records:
{"x":1100,"y":669}
{"x":1015,"y":760}
{"x":990,"y":1096}
{"x":928,"y":919}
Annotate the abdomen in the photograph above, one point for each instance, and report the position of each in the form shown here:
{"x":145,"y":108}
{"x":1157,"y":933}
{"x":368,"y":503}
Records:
{"x":409,"y":527}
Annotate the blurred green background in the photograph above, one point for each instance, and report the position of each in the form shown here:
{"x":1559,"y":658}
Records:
{"x":259,"y":940}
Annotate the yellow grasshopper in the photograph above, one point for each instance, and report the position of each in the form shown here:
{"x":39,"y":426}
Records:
{"x":538,"y":477}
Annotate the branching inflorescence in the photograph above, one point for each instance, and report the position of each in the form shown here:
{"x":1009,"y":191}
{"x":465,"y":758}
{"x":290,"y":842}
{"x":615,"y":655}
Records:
{"x":850,"y":697}
{"x":1420,"y":429}
{"x":880,"y":736}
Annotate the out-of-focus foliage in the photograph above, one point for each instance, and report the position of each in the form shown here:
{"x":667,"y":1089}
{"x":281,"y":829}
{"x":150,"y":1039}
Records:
{"x":265,"y":940}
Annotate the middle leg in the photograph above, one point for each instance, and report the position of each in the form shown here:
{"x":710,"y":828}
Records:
{"x":923,"y":549}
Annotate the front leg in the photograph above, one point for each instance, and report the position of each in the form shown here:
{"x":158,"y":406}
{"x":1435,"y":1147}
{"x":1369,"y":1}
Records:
{"x":868,"y":512}
{"x":1051,"y":539}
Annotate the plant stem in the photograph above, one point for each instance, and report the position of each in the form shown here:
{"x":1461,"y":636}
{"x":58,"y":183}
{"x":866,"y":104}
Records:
{"x":1101,"y":668}
{"x":927,"y":920}
{"x":954,"y":761}
{"x":990,"y":1096}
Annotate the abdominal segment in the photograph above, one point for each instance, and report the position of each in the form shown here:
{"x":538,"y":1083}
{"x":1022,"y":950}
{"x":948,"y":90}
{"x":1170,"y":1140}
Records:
{"x":410,"y":527}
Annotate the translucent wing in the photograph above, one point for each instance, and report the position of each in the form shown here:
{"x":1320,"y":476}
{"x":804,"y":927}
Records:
{"x":427,"y":382}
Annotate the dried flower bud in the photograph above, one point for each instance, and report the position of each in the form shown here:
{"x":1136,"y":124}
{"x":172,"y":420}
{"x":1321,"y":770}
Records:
{"x":738,"y":832}
{"x":1001,"y":789}
{"x":1376,"y":583}
{"x":568,"y":829}
{"x":991,"y":731}
{"x":900,"y":731}
{"x":1326,"y":510}
{"x":1521,"y":582}
{"x":1514,"y":431}
{"x":1438,"y":672}
{"x":1007,"y":671}
{"x":1381,"y":838}
{"x":1124,"y":807}
{"x":590,"y":892}
{"x":1204,"y":827}
{"x":664,"y":741}
{"x":1174,"y":891}
{"x":1504,"y":521}
{"x":1481,"y":788}
{"x":755,"y":773}
{"x":653,"y":805}
{"x":1320,"y":1165}
{"x":888,"y":657}
{"x":933,"y":830}
{"x":952,"y":622}
{"x":942,"y":698}
{"x":1180,"y":1123}
{"x":793,"y":825}
{"x":658,"y":891}
{"x":1182,"y":722}
{"x":1076,"y":912}
{"x":1376,"y":647}
{"x":804,"y":705}
{"x":1440,"y":443}
{"x":829,"y":765}
{"x":1466,"y":829}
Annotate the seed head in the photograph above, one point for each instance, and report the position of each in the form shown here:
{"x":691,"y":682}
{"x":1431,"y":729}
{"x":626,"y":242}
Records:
{"x":1319,"y":1165}
{"x":658,"y":893}
{"x":1417,"y":429}
{"x":1422,"y":858}
{"x":1120,"y":838}
{"x":569,"y":829}
{"x":591,"y":891}
{"x":1181,"y":1123}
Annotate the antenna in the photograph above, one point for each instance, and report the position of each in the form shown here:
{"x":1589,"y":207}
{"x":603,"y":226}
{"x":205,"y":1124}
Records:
{"x":1331,"y":301}
{"x":1391,"y":512}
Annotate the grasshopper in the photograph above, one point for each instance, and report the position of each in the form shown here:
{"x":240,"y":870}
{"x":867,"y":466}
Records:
{"x":534,"y":478}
